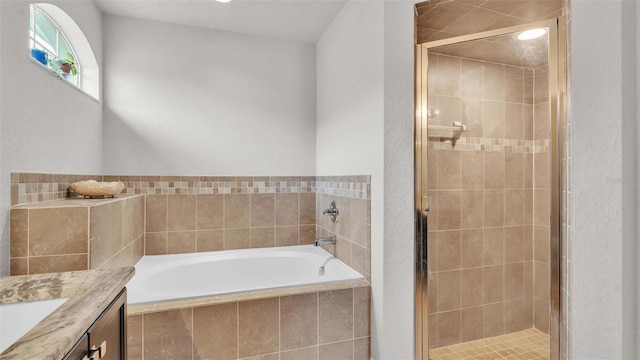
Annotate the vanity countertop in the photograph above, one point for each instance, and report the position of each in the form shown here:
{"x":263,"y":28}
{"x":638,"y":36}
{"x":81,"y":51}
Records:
{"x":89,"y":292}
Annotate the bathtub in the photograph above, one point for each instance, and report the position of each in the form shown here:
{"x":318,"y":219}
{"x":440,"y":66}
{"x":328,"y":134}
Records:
{"x":161,"y":278}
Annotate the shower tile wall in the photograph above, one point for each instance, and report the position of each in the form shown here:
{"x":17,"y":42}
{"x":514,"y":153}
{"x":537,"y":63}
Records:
{"x":482,"y":222}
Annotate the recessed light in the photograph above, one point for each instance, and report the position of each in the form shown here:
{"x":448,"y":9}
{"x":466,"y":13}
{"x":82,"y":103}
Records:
{"x":223,"y":1}
{"x":532,"y":34}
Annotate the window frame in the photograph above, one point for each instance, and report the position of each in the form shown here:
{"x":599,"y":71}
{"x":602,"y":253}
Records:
{"x":37,"y":42}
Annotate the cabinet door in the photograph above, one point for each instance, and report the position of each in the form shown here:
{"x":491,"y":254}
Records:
{"x":108,"y":334}
{"x":80,"y":350}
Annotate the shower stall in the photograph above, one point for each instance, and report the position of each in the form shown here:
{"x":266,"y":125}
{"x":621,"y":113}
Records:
{"x":488,"y":135}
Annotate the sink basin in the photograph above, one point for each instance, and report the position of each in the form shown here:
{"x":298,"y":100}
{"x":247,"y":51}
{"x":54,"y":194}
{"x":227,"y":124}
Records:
{"x":16,"y":319}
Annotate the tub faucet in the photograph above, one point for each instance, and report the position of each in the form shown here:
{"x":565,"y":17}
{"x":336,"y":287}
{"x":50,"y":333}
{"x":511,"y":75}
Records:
{"x":326,"y":240}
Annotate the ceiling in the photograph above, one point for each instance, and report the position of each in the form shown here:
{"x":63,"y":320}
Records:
{"x":299,"y":20}
{"x":441,"y":19}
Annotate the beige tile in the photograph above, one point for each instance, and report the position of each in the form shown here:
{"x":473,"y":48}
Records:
{"x":298,"y":321}
{"x":449,"y":176}
{"x":306,"y":234}
{"x":541,"y":314}
{"x":472,"y":245}
{"x":342,"y":250}
{"x":472,"y":116}
{"x":286,"y":235}
{"x":528,"y":86}
{"x":449,"y":328}
{"x":168,"y":335}
{"x":307,"y":208}
{"x":56,"y":231}
{"x":361,"y":348}
{"x":472,"y":321}
{"x":287,"y":209}
{"x":181,"y":210}
{"x":360,"y":259}
{"x":528,"y":122}
{"x":514,"y":121}
{"x":514,"y":315}
{"x":432,"y":251}
{"x":513,"y":170}
{"x":493,"y":248}
{"x":449,"y":250}
{"x":493,"y":122}
{"x":433,"y":212}
{"x":541,"y":85}
{"x":514,"y":83}
{"x":514,"y":207}
{"x":472,"y":288}
{"x":134,"y":337}
{"x":493,"y":319}
{"x":156,"y":243}
{"x":362,"y":312}
{"x":335,"y":316}
{"x":528,"y":171}
{"x":541,"y":286}
{"x":433,"y":335}
{"x":258,"y":329}
{"x":263,"y":237}
{"x":19,"y":266}
{"x":527,"y":243}
{"x":273,"y":356}
{"x":448,"y":76}
{"x":19,"y":233}
{"x":493,"y":283}
{"x":181,"y":242}
{"x":432,"y":169}
{"x":494,"y":82}
{"x":493,"y":207}
{"x":209,"y":240}
{"x":541,"y":209}
{"x":472,"y":170}
{"x":215,"y":331}
{"x":513,"y":244}
{"x":156,"y":212}
{"x":528,"y":311}
{"x":541,"y":121}
{"x":210,"y":209}
{"x":449,"y":109}
{"x":237,"y":239}
{"x":449,"y":210}
{"x":541,"y":244}
{"x":494,"y":170}
{"x":448,"y":290}
{"x":432,"y":288}
{"x":237,"y":211}
{"x":471,"y":79}
{"x":527,"y":279}
{"x":527,"y":205}
{"x":310,"y":353}
{"x":336,"y":351}
{"x":263,"y":209}
{"x":513,"y":281}
{"x":472,"y":209}
{"x":359,"y":215}
{"x":57,"y":263}
{"x":541,"y":170}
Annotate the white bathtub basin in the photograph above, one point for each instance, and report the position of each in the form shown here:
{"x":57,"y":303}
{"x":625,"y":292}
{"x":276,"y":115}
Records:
{"x":180,"y":276}
{"x":18,"y":318}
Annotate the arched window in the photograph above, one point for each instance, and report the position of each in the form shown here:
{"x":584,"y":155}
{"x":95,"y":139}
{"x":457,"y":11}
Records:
{"x":58,"y":43}
{"x":50,"y":46}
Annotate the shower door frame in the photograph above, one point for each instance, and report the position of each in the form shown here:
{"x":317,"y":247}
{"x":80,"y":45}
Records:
{"x":557,"y":93}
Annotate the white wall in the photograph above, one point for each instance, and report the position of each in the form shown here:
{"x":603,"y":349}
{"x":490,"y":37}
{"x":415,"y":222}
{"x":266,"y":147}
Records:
{"x":365,"y":126}
{"x":604,"y":182}
{"x":47,"y":125}
{"x":192,"y":101}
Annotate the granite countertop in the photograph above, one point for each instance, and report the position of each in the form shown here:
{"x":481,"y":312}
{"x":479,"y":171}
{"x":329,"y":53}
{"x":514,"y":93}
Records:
{"x":89,"y":292}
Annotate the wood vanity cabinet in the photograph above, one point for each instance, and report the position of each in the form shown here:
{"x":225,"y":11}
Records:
{"x":106,"y":338}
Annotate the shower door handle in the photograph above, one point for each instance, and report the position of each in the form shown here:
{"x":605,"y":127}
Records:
{"x":426,"y":200}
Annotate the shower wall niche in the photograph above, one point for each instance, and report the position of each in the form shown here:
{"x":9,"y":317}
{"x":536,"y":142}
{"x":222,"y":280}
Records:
{"x":488,"y":225}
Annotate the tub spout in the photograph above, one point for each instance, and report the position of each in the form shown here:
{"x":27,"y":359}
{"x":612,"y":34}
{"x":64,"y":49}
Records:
{"x":326,"y":240}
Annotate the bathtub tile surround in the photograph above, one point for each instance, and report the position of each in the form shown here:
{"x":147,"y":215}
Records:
{"x":353,"y":229}
{"x":67,"y":235}
{"x":319,"y":325}
{"x":490,"y":197}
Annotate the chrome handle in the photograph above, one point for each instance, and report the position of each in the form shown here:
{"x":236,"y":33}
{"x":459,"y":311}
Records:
{"x":333,"y":211}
